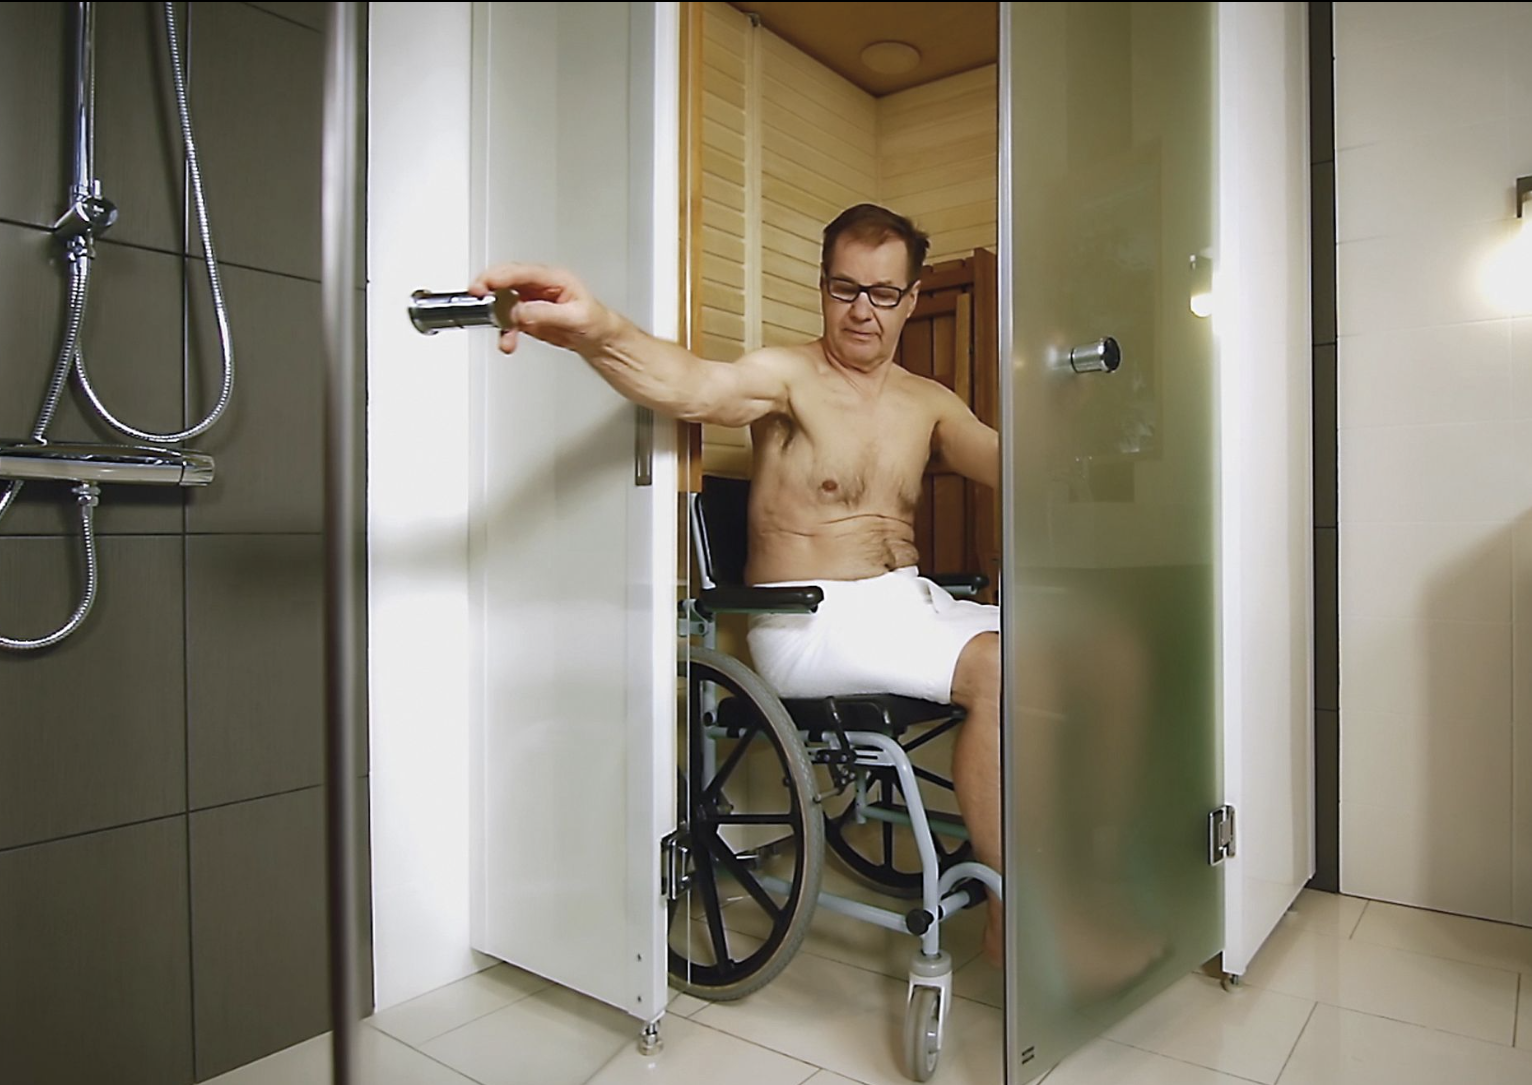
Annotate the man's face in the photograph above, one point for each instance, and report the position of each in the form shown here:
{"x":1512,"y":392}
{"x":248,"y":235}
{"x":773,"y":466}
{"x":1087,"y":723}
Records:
{"x":860,"y":334}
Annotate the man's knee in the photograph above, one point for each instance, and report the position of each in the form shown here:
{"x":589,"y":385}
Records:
{"x":976,"y":681}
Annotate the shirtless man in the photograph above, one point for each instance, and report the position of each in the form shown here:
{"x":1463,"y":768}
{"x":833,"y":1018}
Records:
{"x":842,"y":438}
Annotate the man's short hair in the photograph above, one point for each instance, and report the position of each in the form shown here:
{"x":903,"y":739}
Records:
{"x":873,"y":225}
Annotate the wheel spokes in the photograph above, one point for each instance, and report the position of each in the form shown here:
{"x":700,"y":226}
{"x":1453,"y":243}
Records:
{"x":743,"y":875}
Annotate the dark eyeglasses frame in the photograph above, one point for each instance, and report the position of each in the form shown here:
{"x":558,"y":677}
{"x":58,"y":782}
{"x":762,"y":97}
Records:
{"x":824,"y":283}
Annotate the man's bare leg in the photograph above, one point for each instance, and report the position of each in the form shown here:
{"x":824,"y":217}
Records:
{"x":976,"y":765}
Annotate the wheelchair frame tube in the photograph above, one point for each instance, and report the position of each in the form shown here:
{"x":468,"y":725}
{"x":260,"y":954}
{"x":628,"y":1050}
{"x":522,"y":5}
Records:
{"x":940,"y":826}
{"x":891,"y":755}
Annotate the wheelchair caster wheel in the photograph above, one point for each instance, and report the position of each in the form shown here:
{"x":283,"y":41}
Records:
{"x":922,"y":1032}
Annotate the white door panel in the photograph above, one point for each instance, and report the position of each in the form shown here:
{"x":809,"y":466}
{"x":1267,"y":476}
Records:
{"x":1265,"y":407}
{"x":572,"y":552}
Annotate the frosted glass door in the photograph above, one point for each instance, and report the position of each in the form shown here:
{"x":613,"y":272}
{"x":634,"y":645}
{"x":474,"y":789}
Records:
{"x":1108,"y":191}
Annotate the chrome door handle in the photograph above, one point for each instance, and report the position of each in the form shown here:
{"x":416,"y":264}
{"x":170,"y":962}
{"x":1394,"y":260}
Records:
{"x":430,"y":313}
{"x":1102,"y":356}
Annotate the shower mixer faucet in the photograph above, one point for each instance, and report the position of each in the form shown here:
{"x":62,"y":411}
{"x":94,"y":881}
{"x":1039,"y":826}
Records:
{"x":37,"y":461}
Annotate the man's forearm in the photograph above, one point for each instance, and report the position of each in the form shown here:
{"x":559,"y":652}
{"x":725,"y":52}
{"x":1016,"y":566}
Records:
{"x":653,"y":372}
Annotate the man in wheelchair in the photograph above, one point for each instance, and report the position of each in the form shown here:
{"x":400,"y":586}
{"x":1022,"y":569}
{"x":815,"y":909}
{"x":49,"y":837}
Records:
{"x":842,"y":438}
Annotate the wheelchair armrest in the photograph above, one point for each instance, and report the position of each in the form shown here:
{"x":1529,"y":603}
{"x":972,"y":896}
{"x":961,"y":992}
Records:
{"x":735,"y":600}
{"x":961,"y":584}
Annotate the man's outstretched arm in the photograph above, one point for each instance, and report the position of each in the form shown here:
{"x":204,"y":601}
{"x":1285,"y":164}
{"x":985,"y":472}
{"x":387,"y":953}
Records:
{"x":961,"y":443}
{"x":556,"y":308}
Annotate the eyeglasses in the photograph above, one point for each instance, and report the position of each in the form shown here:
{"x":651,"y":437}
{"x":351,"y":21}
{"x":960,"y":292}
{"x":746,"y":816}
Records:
{"x":882,"y":296}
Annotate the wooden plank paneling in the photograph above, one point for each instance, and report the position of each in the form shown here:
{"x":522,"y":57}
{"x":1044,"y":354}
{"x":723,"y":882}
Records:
{"x":728,"y":273}
{"x":942,"y":354}
{"x":892,"y":163}
{"x":949,"y":530}
{"x":893,"y":106}
{"x":937,"y":160}
{"x":725,"y":113}
{"x":791,"y":97}
{"x":939,"y":173}
{"x":778,"y":240}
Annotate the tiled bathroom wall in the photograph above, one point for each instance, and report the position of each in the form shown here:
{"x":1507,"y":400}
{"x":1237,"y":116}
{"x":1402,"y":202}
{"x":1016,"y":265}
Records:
{"x":1433,"y":123}
{"x":161,"y":799}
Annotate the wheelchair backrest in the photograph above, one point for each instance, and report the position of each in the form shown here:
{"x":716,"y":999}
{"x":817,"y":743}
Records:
{"x":720,"y":517}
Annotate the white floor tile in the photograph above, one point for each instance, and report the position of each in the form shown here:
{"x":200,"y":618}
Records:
{"x":1464,"y":998}
{"x":446,"y":1008}
{"x":1524,"y":1013}
{"x":850,"y":1020}
{"x":1340,"y":1047}
{"x":382,"y":1061}
{"x":683,"y":1005}
{"x":1326,"y":913}
{"x":696,"y":1055}
{"x":825,"y":1077}
{"x":864,"y":945}
{"x":980,"y":981}
{"x":1108,"y":1063}
{"x":1247,"y":1032}
{"x":1457,"y":937}
{"x":555,"y":1037}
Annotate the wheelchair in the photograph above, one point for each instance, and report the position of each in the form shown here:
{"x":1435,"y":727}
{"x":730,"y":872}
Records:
{"x":743,"y":881}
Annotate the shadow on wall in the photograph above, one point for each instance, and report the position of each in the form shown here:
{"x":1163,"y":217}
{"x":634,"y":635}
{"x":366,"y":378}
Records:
{"x":1452,"y":735}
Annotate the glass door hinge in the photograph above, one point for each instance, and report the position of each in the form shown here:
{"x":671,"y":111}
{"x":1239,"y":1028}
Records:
{"x":1220,"y":835}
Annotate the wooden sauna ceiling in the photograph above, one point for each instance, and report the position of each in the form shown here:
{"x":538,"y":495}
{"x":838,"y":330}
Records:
{"x":951,"y":37}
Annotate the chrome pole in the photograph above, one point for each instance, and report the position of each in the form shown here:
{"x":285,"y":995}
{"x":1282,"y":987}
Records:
{"x":342,"y":554}
{"x":83,"y":147}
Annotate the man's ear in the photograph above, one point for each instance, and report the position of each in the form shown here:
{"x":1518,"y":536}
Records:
{"x":914,"y":294}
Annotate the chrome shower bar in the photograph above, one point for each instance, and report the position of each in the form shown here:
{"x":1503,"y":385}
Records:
{"x":89,"y":213}
{"x":33,"y":461}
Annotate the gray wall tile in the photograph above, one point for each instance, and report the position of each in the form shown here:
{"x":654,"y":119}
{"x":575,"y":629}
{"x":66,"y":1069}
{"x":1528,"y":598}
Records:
{"x":33,"y":106}
{"x":259,"y":958}
{"x":94,"y":959}
{"x":1326,"y":555}
{"x":1326,"y":802}
{"x":92,"y":731}
{"x":260,"y":151}
{"x":255,"y":665}
{"x":133,"y":352}
{"x":138,"y":134}
{"x":310,"y":15}
{"x":269,"y":445}
{"x":1326,"y":622}
{"x":1322,"y":278}
{"x":1326,"y":450}
{"x":1322,"y":81}
{"x":32,"y":284}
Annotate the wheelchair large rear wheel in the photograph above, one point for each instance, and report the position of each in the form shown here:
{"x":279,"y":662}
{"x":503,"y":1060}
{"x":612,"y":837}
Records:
{"x":753,"y":857}
{"x":881,"y":854}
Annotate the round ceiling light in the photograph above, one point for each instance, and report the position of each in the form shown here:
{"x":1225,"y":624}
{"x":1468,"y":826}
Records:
{"x":891,"y":57}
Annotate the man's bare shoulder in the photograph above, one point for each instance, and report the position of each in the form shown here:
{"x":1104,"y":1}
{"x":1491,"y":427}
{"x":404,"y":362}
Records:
{"x":799,"y":358}
{"x":925,"y":389}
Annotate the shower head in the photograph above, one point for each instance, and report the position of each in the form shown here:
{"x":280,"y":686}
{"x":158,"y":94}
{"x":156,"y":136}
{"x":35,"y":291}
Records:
{"x":33,"y":461}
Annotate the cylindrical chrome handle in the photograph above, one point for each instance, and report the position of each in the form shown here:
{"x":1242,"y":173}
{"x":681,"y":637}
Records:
{"x":432,"y":312}
{"x":1102,"y":356}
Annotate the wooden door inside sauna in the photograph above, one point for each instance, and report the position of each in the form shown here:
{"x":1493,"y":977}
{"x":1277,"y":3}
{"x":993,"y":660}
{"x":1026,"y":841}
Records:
{"x":953,"y":337}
